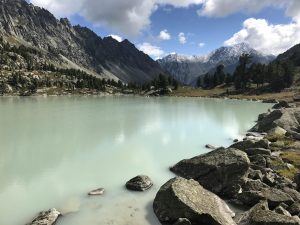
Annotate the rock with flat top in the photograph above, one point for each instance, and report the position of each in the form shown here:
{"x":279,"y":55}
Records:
{"x":182,"y":198}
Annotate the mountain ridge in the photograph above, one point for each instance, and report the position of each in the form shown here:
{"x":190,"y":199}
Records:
{"x":26,"y":24}
{"x":187,"y":69}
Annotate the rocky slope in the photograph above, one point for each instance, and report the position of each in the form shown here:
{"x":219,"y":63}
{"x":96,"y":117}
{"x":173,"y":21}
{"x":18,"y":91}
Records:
{"x":74,"y":46}
{"x":187,"y":69}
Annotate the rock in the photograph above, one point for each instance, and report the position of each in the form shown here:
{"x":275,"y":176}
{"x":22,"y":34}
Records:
{"x":236,"y":140}
{"x":260,"y":214}
{"x":276,"y":163}
{"x":46,"y":218}
{"x":254,"y":191}
{"x":281,"y":104}
{"x":297,"y":181}
{"x":258,"y":162}
{"x":258,"y":151}
{"x":255,"y":174}
{"x":99,"y":191}
{"x":271,"y":101}
{"x":220,"y":171}
{"x":181,"y":198}
{"x":282,"y":211}
{"x":243,"y":145}
{"x":262,"y":116}
{"x":294,"y":209}
{"x":208,"y":146}
{"x":182,"y":221}
{"x":287,"y":119}
{"x":275,"y":133}
{"x":293,"y":134}
{"x":139,"y":183}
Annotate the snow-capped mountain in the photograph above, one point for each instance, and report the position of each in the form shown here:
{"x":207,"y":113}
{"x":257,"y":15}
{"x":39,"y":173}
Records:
{"x":187,"y":69}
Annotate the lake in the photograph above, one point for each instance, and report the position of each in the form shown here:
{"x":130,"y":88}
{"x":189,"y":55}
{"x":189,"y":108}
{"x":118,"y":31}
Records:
{"x":54,"y":150}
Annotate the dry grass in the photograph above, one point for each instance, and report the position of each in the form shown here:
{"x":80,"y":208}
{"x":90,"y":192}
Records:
{"x":221,"y":92}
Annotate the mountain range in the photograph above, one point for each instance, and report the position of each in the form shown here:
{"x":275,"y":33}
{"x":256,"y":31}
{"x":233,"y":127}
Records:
{"x":187,"y":69}
{"x":67,"y":46}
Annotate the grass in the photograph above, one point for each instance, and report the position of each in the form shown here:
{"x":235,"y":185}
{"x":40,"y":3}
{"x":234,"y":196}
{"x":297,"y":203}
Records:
{"x":293,"y":158}
{"x":222,"y":90}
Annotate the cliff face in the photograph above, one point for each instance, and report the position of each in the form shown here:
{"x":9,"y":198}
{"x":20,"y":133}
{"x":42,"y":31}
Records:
{"x":75,"y":46}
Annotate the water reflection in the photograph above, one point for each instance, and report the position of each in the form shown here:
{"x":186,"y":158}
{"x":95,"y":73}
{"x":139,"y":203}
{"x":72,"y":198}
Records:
{"x":54,"y":150}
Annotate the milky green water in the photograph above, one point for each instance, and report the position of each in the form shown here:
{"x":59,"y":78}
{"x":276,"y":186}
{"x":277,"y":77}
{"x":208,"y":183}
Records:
{"x":54,"y":150}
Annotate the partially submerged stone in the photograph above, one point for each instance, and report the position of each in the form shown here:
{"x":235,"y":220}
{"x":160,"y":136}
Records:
{"x":46,"y":217}
{"x":139,"y":183}
{"x":99,"y":191}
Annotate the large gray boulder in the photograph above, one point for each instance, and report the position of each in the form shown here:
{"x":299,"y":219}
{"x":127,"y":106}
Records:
{"x":221,"y":171}
{"x":46,"y":218}
{"x":182,"y":198}
{"x":288,"y":119}
{"x":260,"y":214}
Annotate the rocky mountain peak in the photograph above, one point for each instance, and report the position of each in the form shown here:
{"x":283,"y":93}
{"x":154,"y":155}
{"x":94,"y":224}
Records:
{"x":77,"y":46}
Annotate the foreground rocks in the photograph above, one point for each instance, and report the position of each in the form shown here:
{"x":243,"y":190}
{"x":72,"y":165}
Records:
{"x":260,"y":214}
{"x":221,"y":171}
{"x":139,"y":183}
{"x":46,"y":218}
{"x":182,"y":201}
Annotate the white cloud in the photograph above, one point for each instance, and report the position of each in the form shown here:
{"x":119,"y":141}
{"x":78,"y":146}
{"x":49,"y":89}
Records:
{"x":151,"y":50}
{"x":116,"y":37}
{"x":126,"y":16}
{"x":164,"y":35}
{"x":182,"y":38}
{"x":201,"y":44}
{"x":266,"y":37}
{"x":221,"y":8}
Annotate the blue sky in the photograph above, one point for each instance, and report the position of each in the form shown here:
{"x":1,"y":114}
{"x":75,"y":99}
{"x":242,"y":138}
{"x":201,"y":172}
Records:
{"x":270,"y":26}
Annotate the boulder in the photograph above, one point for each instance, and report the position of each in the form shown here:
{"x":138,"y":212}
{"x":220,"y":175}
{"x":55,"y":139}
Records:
{"x":281,"y":104}
{"x":99,"y":191}
{"x":280,"y":210}
{"x":139,"y":183}
{"x":258,"y":162}
{"x":221,"y":171}
{"x":250,"y":144}
{"x":297,"y":181}
{"x":260,"y":214}
{"x":294,"y":209}
{"x":182,"y":198}
{"x":46,"y":217}
{"x":287,"y":119}
{"x":254,"y":191}
{"x":258,"y":151}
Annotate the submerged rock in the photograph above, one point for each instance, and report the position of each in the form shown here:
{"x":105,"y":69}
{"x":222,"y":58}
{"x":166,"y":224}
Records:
{"x":139,"y":183}
{"x":220,"y":171}
{"x":46,"y":217}
{"x":208,"y":146}
{"x":182,"y":198}
{"x":99,"y":191}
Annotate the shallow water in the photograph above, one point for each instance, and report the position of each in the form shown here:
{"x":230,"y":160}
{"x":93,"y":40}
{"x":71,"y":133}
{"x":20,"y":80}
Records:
{"x":54,"y":150}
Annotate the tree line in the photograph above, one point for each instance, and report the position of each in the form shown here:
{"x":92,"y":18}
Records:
{"x":275,"y":76}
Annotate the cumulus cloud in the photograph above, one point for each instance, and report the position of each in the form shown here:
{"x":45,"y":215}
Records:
{"x":182,"y":38}
{"x":221,"y":8}
{"x":116,"y":37}
{"x":266,"y":37}
{"x":164,"y":35}
{"x":126,"y":16}
{"x":201,"y":44}
{"x":151,"y":50}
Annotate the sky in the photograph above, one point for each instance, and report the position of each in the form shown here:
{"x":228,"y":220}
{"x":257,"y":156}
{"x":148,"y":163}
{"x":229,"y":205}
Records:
{"x":189,"y":27}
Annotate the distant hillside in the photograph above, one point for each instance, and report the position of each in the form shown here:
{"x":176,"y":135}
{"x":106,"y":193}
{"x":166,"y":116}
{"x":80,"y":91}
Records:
{"x":292,"y":55}
{"x":77,"y":47}
{"x":187,"y":69}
